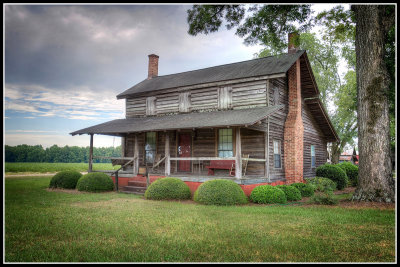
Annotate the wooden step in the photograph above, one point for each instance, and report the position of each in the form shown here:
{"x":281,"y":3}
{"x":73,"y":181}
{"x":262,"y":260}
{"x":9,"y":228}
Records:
{"x":137,"y":183}
{"x":136,"y":189}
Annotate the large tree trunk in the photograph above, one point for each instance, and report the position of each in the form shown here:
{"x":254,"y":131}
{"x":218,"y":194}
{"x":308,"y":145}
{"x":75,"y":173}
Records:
{"x":375,"y":173}
{"x":336,"y":151}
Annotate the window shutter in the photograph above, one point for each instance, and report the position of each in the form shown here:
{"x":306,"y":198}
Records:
{"x":224,"y":97}
{"x":184,"y":102}
{"x":151,"y":105}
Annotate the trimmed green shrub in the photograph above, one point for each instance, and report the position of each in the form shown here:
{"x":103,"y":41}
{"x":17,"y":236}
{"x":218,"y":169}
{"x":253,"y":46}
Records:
{"x":291,"y":192}
{"x":334,"y":173}
{"x":220,"y":192}
{"x":321,"y":184}
{"x":306,"y":190}
{"x":168,"y":188}
{"x":351,"y":171}
{"x":324,"y":198}
{"x":268,"y":194}
{"x":65,"y":179}
{"x":95,"y":182}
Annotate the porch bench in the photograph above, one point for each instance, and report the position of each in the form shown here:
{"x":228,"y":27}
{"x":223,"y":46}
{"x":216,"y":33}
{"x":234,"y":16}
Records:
{"x":221,"y":165}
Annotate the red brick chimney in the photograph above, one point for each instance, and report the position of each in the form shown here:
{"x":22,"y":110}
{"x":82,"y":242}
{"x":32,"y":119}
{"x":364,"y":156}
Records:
{"x":153,"y":66}
{"x":292,"y":48}
{"x":294,"y":129}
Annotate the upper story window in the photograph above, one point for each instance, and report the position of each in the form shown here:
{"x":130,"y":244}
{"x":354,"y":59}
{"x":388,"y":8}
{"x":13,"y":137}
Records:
{"x":224,"y":97}
{"x":225,"y":143}
{"x":184,"y":102}
{"x":313,"y":160}
{"x":277,"y":154}
{"x":151,"y":105}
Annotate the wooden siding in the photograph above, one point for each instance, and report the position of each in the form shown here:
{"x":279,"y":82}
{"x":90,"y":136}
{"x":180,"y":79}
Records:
{"x":312,"y":136}
{"x":277,"y":124}
{"x":241,"y":95}
{"x":249,"y":95}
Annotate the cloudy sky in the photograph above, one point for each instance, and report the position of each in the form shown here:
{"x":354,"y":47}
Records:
{"x":65,"y":64}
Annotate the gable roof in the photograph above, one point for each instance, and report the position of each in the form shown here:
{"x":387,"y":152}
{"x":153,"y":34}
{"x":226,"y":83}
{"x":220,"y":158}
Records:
{"x":245,"y":69}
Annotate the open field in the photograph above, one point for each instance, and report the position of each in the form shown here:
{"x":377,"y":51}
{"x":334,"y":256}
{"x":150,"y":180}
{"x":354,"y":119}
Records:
{"x":52,"y":226}
{"x":43,"y":167}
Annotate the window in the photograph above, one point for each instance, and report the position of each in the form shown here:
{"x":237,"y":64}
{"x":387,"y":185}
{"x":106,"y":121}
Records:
{"x":277,"y":154}
{"x":225,"y":144}
{"x":312,"y":156}
{"x":184,"y":102}
{"x":150,"y":147}
{"x":151,"y":105}
{"x":224,"y":97}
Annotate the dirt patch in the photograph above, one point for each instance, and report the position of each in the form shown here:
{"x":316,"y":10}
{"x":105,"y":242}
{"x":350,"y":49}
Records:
{"x":70,"y":191}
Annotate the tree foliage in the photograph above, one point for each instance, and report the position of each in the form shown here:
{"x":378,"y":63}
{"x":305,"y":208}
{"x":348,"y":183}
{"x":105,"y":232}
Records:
{"x":268,"y":25}
{"x":53,"y":154}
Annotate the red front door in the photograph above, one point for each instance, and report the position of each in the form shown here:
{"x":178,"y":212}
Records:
{"x":184,"y":151}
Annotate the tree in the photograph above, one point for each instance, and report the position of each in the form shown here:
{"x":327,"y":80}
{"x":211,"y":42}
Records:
{"x":373,"y":23}
{"x":269,"y":25}
{"x":345,"y":118}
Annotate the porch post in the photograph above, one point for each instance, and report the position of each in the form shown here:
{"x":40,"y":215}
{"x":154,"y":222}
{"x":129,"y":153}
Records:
{"x":238,"y":161}
{"x":136,"y":154}
{"x":167,"y":155}
{"x":91,"y":154}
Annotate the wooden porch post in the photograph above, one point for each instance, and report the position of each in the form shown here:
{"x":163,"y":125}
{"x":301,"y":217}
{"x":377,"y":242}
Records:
{"x":167,"y":155}
{"x":91,"y":154}
{"x":238,"y":161}
{"x":136,"y":154}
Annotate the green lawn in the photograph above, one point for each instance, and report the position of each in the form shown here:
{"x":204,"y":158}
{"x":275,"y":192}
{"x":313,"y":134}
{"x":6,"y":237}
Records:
{"x":43,"y":226}
{"x":42,"y":167}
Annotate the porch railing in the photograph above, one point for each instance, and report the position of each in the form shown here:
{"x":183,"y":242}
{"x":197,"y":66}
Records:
{"x":116,"y":172}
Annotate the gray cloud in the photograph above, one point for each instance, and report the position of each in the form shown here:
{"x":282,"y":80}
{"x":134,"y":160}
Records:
{"x":104,"y":46}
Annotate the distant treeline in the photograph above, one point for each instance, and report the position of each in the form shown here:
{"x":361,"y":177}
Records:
{"x":67,"y":154}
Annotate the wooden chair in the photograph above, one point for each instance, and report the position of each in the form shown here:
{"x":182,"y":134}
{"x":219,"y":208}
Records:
{"x":244,"y":163}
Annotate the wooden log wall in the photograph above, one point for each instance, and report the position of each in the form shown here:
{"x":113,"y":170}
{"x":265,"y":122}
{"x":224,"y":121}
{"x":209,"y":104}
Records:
{"x":253,"y":145}
{"x":312,"y":136}
{"x":278,"y":87}
{"x":243,"y":95}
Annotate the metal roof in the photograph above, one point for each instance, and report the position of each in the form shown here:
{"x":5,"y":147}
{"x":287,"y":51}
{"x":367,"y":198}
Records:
{"x":245,"y":69}
{"x":240,"y":117}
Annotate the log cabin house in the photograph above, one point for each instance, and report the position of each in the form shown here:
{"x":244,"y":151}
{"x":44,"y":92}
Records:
{"x":257,"y":122}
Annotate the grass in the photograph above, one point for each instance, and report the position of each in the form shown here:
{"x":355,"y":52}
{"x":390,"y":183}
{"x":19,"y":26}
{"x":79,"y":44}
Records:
{"x":43,"y":226}
{"x":43,"y":167}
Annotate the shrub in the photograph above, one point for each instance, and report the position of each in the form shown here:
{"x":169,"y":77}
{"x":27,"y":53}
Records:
{"x":95,"y":182}
{"x":324,"y":198}
{"x":321,"y":184}
{"x":306,"y":190}
{"x":291,"y":192}
{"x":268,"y":194}
{"x":65,"y":179}
{"x":334,"y":173}
{"x":351,"y":171}
{"x":220,"y":192}
{"x":168,"y":188}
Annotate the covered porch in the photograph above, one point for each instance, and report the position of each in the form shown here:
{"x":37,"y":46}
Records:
{"x":232,"y":144}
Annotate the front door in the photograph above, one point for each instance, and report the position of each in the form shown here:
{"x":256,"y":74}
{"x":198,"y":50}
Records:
{"x":184,"y":151}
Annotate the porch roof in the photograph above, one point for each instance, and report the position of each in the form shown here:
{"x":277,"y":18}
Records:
{"x":241,"y":117}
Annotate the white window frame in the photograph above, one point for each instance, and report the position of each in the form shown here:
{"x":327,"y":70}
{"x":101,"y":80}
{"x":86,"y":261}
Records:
{"x":280,"y":152}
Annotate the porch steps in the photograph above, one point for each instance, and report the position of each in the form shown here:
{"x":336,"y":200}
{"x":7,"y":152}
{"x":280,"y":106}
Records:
{"x":139,"y":190}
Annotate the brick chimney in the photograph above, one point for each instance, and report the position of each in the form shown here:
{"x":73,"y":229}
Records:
{"x":292,"y":48}
{"x":294,"y":129}
{"x":153,"y":66}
